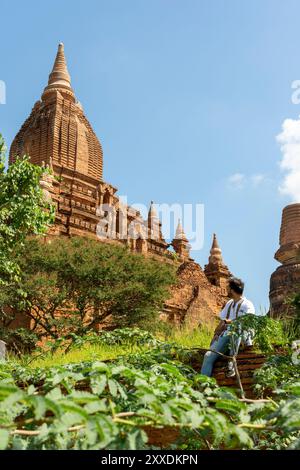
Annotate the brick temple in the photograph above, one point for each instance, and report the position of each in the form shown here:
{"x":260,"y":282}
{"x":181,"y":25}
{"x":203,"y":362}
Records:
{"x":285,"y":281}
{"x":58,"y":135}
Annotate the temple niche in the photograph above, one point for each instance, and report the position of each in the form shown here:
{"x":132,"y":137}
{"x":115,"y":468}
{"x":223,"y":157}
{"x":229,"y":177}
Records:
{"x":285,"y":281}
{"x":58,"y":135}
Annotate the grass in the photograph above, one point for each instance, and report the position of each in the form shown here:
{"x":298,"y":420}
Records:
{"x":198,"y":338}
{"x":88,"y":352}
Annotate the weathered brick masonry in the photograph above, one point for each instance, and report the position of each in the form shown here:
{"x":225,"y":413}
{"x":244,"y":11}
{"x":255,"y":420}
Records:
{"x":285,"y":281}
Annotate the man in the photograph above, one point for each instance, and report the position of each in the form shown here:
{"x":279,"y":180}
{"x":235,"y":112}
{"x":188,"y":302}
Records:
{"x":222,"y":341}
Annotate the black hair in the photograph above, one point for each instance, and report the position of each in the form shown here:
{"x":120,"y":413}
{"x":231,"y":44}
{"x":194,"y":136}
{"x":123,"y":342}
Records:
{"x":236,"y":285}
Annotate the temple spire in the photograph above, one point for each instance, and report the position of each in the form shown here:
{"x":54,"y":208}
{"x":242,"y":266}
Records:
{"x":215,"y":252}
{"x":180,"y":243}
{"x":152,"y":211}
{"x":60,"y":78}
{"x":153,"y":223}
{"x":215,"y":243}
{"x":216,"y":271}
{"x":180,"y":235}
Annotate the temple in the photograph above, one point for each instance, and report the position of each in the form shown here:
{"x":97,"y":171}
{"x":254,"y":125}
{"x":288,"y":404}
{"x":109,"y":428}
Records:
{"x":285,"y":281}
{"x":58,"y":135}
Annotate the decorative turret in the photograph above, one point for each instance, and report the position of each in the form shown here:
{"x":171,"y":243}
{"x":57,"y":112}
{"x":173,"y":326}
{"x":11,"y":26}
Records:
{"x":156,"y":241}
{"x":285,"y":281}
{"x":154,"y":225}
{"x":216,"y":271}
{"x":180,"y":242}
{"x":215,"y":253}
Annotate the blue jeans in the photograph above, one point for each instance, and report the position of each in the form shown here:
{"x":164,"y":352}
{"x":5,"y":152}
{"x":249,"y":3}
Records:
{"x":222,"y":344}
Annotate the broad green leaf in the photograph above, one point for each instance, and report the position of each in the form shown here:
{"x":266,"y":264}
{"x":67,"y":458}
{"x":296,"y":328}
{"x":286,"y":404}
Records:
{"x":98,"y":384}
{"x":112,"y":385}
{"x":4,"y":439}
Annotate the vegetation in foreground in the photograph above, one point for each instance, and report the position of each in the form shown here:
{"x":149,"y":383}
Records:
{"x":115,"y":403}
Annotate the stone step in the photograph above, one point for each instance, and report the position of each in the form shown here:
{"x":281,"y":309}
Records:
{"x":247,"y":361}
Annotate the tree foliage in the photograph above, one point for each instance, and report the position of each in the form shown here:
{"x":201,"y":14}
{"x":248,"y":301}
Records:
{"x":71,"y":285}
{"x":23,"y":210}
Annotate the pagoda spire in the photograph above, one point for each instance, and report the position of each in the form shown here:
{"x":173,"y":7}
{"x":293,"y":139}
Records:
{"x":215,"y":252}
{"x":153,"y":223}
{"x":60,"y":78}
{"x":216,"y":271}
{"x":180,"y":234}
{"x":180,"y":243}
{"x":152,"y":211}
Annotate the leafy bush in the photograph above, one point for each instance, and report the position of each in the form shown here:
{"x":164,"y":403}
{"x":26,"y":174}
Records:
{"x":134,"y":336}
{"x":277,"y":373}
{"x":96,"y":405}
{"x":119,"y":336}
{"x":266,"y":331}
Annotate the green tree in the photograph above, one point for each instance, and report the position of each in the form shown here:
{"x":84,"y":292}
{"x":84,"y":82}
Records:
{"x":23,"y":210}
{"x":73,"y":284}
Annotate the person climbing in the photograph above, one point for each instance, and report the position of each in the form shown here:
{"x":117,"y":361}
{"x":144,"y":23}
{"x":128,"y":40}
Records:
{"x":222,"y":340}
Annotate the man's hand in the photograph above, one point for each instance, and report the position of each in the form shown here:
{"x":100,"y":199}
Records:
{"x":227,"y":321}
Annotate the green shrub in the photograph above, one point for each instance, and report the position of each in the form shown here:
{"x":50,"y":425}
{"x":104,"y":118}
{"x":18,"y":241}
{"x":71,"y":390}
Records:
{"x":267,"y":332}
{"x":70,"y":286}
{"x":23,"y":210}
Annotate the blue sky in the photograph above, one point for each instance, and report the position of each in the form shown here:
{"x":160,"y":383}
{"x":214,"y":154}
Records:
{"x":187,"y":98}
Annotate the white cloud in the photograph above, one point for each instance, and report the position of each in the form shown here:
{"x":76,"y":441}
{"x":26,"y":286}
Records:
{"x":240,"y":180}
{"x":289,"y":139}
{"x":236,"y":181}
{"x":257,"y":179}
